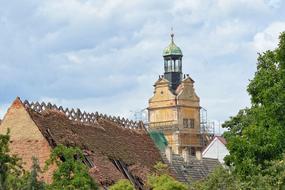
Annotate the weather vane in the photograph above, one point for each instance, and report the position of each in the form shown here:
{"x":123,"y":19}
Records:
{"x":172,"y":33}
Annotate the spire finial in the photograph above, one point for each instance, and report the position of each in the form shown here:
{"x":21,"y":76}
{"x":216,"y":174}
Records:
{"x":172,"y":35}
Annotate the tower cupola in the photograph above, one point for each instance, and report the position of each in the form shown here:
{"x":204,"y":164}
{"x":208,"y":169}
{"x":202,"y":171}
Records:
{"x":172,"y":56}
{"x":172,"y":49}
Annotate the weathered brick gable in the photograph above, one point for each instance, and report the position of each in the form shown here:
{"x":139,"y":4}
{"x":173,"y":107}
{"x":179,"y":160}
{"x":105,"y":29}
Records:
{"x":26,"y":139}
{"x":113,"y":148}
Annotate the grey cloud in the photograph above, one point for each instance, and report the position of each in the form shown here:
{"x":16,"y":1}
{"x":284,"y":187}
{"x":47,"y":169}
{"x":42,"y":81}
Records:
{"x":106,"y":55}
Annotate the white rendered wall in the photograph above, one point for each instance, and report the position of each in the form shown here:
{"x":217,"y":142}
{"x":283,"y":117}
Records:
{"x":216,"y":150}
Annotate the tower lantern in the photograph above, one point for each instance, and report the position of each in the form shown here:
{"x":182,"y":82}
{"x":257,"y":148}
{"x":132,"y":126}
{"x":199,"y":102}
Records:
{"x":172,"y":55}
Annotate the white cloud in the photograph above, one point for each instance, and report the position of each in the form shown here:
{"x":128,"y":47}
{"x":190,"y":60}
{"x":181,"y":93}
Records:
{"x":274,"y":3}
{"x":105,"y":55}
{"x":268,"y":38}
{"x":3,"y":110}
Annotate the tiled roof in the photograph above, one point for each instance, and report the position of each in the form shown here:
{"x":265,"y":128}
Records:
{"x":194,"y":170}
{"x":112,"y":151}
{"x":83,"y":117}
{"x":222,"y":139}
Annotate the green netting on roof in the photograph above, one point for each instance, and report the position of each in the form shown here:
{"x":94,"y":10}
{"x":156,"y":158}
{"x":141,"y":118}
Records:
{"x":159,"y":139}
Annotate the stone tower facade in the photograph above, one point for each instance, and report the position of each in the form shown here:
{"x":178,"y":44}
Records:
{"x":174,"y":108}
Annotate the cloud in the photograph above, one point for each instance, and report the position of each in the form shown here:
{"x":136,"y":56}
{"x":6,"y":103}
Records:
{"x":268,"y":38}
{"x":274,"y":3}
{"x":105,"y":55}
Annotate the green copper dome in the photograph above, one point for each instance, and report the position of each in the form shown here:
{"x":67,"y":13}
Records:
{"x":172,"y":48}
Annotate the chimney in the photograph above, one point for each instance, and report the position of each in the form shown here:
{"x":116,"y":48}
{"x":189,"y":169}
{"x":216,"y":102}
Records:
{"x":168,"y":153}
{"x":198,"y":155}
{"x":186,"y":155}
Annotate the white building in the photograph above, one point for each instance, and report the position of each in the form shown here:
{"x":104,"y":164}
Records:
{"x":216,"y":149}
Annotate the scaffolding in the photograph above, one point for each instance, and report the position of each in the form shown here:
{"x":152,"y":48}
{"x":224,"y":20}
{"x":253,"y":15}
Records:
{"x":139,"y":115}
{"x":205,"y":134}
{"x":207,"y":129}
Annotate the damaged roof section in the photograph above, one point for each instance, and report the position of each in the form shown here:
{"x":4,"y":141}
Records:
{"x":114,"y":148}
{"x":83,"y":117}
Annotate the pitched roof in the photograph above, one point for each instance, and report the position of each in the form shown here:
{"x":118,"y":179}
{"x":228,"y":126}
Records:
{"x":220,"y":138}
{"x":192,"y":171}
{"x":113,"y":150}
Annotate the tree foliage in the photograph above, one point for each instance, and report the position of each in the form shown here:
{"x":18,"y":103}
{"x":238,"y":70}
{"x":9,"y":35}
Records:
{"x":221,"y":179}
{"x":165,"y":182}
{"x":122,"y":184}
{"x":257,"y":134}
{"x":11,"y":172}
{"x":158,"y":180}
{"x":71,"y":173}
{"x":32,"y":182}
{"x":271,"y":178}
{"x":161,"y":180}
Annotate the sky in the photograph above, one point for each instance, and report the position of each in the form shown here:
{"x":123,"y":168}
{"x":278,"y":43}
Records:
{"x":105,"y":55}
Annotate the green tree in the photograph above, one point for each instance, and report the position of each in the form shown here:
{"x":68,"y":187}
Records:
{"x":122,"y":184}
{"x":221,"y":179}
{"x":224,"y":179}
{"x":32,"y":182}
{"x":274,"y":174}
{"x":256,"y":135}
{"x":11,"y":172}
{"x":161,"y":180}
{"x":71,"y":173}
{"x":165,"y":182}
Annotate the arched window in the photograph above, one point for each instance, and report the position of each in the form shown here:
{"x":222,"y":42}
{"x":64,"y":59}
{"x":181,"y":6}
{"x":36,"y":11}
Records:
{"x":169,"y":66}
{"x":180,"y":65}
{"x":165,"y":65}
{"x":176,"y":65}
{"x":172,"y":65}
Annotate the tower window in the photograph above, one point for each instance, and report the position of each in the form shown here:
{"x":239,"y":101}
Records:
{"x":192,"y":151}
{"x":188,"y":123}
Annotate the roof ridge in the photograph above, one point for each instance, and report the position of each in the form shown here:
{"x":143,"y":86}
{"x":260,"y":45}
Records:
{"x":84,"y":117}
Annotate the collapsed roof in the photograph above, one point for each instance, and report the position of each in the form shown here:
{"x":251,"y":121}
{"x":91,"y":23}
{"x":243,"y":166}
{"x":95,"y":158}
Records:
{"x":114,"y":148}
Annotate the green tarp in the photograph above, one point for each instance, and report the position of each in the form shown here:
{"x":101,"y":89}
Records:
{"x":159,"y":139}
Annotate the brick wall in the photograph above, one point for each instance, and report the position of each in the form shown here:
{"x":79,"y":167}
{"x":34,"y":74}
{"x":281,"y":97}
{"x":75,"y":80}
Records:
{"x":26,"y":139}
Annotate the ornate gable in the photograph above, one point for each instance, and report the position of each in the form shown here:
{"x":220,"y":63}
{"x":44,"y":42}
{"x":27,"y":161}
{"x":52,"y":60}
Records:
{"x":163,"y":96}
{"x":186,"y":94}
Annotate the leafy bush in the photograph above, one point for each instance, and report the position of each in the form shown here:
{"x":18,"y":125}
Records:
{"x":122,"y":184}
{"x":71,"y":173}
{"x":161,"y":180}
{"x":11,"y":172}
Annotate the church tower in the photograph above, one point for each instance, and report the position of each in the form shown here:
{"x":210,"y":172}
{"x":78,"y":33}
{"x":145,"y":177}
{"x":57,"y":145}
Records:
{"x":174,"y":108}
